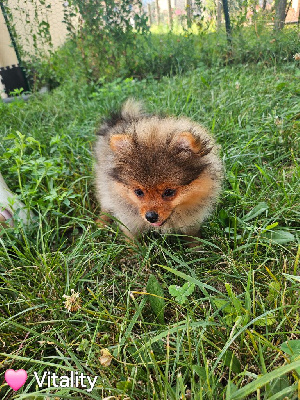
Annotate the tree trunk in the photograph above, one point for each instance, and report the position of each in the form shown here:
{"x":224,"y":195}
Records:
{"x":264,"y":5}
{"x":149,"y":14}
{"x":227,"y":21}
{"x":157,"y":12}
{"x":219,"y":14}
{"x":280,"y":14}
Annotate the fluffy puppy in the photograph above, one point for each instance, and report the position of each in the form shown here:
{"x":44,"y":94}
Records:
{"x":156,"y":173}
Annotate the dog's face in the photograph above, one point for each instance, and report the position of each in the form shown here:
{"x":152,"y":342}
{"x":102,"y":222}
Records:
{"x":158,"y":177}
{"x":156,"y":204}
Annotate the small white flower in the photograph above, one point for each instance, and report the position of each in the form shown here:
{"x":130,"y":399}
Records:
{"x":73,"y":302}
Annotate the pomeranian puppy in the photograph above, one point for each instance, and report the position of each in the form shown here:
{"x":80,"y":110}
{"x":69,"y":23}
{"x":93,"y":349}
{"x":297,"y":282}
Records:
{"x":156,"y":173}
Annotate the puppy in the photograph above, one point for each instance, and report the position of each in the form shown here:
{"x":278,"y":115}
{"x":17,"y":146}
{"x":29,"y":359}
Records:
{"x":156,"y":173}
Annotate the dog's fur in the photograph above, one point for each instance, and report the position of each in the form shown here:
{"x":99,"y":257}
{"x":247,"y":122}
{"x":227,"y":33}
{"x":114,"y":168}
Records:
{"x":165,"y":167}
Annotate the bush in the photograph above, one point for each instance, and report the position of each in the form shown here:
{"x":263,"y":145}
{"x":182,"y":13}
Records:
{"x":141,"y":55}
{"x":250,"y":46}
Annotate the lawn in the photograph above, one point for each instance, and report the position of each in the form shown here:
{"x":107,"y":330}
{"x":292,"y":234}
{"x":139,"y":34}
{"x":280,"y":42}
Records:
{"x":157,"y":320}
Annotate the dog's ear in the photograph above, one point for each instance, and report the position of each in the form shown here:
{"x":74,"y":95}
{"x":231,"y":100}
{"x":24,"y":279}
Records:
{"x":187,"y":142}
{"x":120,"y":143}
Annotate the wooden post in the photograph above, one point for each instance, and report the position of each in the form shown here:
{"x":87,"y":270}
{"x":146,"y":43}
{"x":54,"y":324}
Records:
{"x":170,"y":14}
{"x":157,"y":12}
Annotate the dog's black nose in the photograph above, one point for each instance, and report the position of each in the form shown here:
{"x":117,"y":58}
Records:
{"x":151,"y":216}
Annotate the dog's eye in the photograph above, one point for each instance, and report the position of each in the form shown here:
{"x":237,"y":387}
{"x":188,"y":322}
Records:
{"x":139,"y":192}
{"x":168,"y":193}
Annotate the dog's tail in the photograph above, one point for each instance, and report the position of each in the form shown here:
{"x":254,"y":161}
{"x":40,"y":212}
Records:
{"x":132,"y":109}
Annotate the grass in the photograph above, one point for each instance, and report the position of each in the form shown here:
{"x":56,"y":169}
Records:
{"x":222,"y":314}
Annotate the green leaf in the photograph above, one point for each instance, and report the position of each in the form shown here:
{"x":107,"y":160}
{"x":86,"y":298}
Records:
{"x":283,"y":393}
{"x":281,"y":86}
{"x":292,"y":348}
{"x":292,"y":277}
{"x":204,"y":81}
{"x":200,"y":371}
{"x":230,"y":359}
{"x":192,"y":280}
{"x":228,"y":310}
{"x":84,"y":345}
{"x":181,"y":292}
{"x":274,"y":290}
{"x":224,"y":304}
{"x":230,"y":390}
{"x":263,"y":380}
{"x":278,"y":385}
{"x":257,"y":210}
{"x":269,"y":227}
{"x":268,"y":320}
{"x":156,"y":298}
{"x":124,"y":386}
{"x":279,"y":236}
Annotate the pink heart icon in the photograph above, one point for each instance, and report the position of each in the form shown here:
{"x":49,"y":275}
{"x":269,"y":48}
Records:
{"x":15,"y":379}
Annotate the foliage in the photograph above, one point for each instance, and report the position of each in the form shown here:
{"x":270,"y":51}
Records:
{"x":250,"y":45}
{"x":166,"y":54}
{"x":292,"y":348}
{"x":47,"y":174}
{"x":114,"y":42}
{"x":181,"y":293}
{"x":156,"y":298}
{"x":107,"y":35}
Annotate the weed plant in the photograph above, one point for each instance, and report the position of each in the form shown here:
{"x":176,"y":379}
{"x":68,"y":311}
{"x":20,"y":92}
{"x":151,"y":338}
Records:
{"x":156,"y":321}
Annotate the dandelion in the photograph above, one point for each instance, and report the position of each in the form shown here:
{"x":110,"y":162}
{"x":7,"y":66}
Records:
{"x":297,"y":57}
{"x":73,"y":302}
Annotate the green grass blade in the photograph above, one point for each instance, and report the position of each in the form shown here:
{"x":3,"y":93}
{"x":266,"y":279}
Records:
{"x":263,"y":380}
